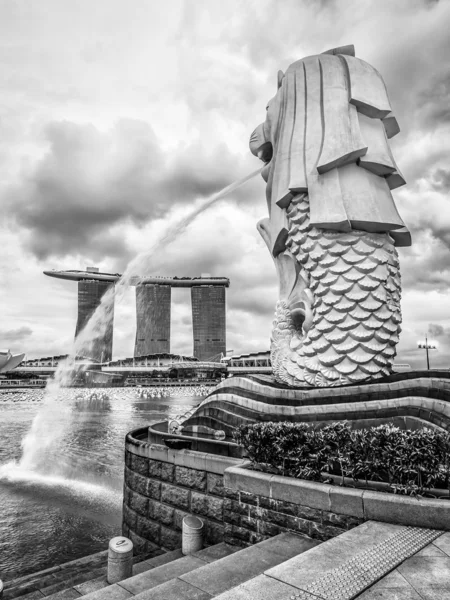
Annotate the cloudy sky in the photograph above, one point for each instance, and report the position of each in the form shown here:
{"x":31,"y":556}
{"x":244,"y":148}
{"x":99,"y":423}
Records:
{"x":117,"y":118}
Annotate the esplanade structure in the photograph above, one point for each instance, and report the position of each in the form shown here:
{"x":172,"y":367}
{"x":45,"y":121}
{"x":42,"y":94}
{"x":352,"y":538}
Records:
{"x":153,"y":311}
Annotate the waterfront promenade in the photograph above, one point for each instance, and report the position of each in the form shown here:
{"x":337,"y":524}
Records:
{"x":373,"y":561}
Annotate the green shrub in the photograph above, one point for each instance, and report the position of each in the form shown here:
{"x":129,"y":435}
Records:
{"x":411,"y":461}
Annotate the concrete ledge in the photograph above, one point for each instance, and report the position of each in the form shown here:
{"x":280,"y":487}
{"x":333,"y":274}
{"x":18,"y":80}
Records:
{"x":190,"y":459}
{"x":306,"y":493}
{"x":359,"y":503}
{"x":407,"y":510}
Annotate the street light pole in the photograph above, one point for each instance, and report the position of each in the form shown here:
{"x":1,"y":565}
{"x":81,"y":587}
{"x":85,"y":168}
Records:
{"x":427,"y":346}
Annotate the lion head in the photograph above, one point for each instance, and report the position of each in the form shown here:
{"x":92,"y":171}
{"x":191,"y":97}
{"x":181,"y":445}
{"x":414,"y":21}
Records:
{"x":326,"y":134}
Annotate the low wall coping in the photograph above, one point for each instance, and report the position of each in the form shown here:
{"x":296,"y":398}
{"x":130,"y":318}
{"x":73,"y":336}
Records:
{"x":363,"y":504}
{"x":190,"y":459}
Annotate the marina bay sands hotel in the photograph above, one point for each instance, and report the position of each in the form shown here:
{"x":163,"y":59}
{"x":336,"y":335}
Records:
{"x":153,"y":310}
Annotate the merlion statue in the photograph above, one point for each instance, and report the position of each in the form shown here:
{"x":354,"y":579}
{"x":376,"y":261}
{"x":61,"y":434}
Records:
{"x":333,"y":226}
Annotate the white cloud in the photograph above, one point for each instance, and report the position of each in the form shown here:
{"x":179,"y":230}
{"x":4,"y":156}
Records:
{"x":113,"y":122}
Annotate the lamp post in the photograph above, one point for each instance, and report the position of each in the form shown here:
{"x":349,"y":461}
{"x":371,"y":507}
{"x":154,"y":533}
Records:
{"x":427,"y":346}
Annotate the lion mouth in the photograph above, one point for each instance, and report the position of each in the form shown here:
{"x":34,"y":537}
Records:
{"x":265,"y":152}
{"x":265,"y":171}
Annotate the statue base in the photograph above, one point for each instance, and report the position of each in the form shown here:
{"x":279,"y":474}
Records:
{"x":409,"y":400}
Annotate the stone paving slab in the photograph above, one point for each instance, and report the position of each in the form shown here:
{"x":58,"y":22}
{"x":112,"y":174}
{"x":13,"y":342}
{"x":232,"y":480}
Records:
{"x":306,"y":568}
{"x":112,"y":592}
{"x":287,"y":545}
{"x":213,"y":553}
{"x":36,"y":595}
{"x":55,"y":591}
{"x":434,"y":592}
{"x":424,"y":576}
{"x":431,"y":550}
{"x":390,"y":594}
{"x":159,"y":575}
{"x":392,"y":580}
{"x":66,"y":594}
{"x":92,"y":586}
{"x":392,"y":586}
{"x":425,"y":571}
{"x":141,"y":567}
{"x":214,"y":582}
{"x":163,"y":559}
{"x":233,"y":570}
{"x":443,"y":543}
{"x":259,"y":588}
{"x":176,"y":589}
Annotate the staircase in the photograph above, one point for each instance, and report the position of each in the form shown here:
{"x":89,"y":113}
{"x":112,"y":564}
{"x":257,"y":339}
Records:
{"x":84,"y":575}
{"x":207,"y":573}
{"x":286,"y":566}
{"x":199,"y":576}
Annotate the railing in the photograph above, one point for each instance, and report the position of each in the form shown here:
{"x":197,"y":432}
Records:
{"x":252,"y":369}
{"x":11,"y":383}
{"x":169,"y":382}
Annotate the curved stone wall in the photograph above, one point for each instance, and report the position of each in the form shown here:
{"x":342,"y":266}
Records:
{"x":359,"y":504}
{"x":248,"y":399}
{"x":163,"y":485}
{"x":243,"y":507}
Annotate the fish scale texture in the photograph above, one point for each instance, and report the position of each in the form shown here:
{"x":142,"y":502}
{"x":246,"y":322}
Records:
{"x":351,"y":297}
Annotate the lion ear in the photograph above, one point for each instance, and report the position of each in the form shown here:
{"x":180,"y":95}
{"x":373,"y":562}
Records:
{"x":349,"y":50}
{"x":279,"y":79}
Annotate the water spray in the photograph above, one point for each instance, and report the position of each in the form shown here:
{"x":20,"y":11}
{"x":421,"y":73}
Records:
{"x":44,"y":432}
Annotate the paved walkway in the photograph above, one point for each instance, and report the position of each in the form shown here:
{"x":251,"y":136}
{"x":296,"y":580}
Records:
{"x":373,"y":561}
{"x":424,"y":576}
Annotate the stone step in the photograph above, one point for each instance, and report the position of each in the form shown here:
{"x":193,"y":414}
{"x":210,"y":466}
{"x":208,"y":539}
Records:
{"x":165,"y":572}
{"x":86,"y":582}
{"x":209,"y":572}
{"x":231,"y":571}
{"x":26,"y":582}
{"x":339,"y":568}
{"x":60,"y":577}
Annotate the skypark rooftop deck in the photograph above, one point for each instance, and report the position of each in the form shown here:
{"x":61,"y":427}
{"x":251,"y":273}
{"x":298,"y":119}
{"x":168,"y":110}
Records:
{"x":95,"y":275}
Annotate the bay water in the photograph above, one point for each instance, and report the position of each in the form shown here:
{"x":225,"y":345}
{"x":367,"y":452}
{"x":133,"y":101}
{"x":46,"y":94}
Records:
{"x":68,"y":504}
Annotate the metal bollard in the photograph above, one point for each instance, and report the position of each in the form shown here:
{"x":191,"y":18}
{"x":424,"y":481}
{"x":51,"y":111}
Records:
{"x":192,"y":536}
{"x":120,"y":559}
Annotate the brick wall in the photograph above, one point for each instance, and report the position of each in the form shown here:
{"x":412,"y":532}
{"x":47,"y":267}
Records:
{"x":251,"y":518}
{"x":158,"y":493}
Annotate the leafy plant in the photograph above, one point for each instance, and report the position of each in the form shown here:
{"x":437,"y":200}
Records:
{"x":411,"y":461}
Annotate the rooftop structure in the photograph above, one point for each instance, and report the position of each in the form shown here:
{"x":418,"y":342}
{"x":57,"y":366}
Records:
{"x":93,"y":274}
{"x":9,"y":361}
{"x":153,"y":360}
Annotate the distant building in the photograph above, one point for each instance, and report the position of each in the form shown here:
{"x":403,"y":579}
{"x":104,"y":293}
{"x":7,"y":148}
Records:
{"x":259,"y":358}
{"x":46,"y":361}
{"x":162,"y":359}
{"x":90,"y":295}
{"x":154,"y":368}
{"x":153,"y":311}
{"x":252,"y":360}
{"x":209,"y":321}
{"x":153,"y":308}
{"x":9,"y":361}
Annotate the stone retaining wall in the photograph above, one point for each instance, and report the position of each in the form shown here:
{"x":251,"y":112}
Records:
{"x":163,"y":485}
{"x":158,"y":495}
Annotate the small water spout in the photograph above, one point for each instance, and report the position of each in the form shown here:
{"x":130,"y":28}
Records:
{"x":53,"y":420}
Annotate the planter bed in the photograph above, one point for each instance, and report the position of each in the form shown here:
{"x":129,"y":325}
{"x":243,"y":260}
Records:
{"x":358,"y":503}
